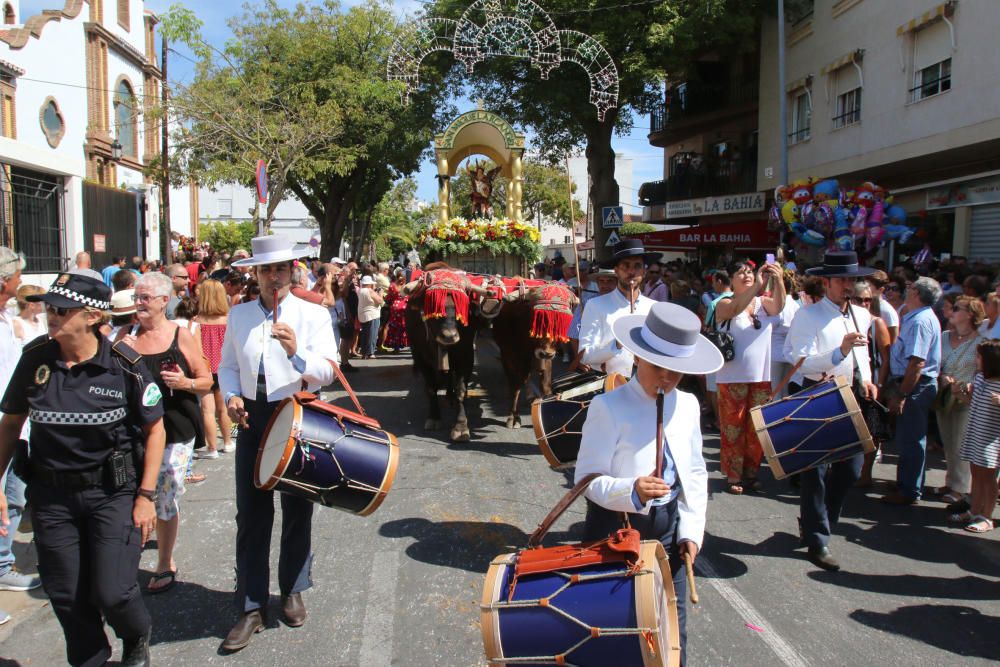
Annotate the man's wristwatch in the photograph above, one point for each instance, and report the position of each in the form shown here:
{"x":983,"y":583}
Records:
{"x":148,"y":494}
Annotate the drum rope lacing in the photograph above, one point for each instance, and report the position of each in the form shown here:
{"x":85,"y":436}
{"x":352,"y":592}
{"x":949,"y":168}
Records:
{"x":797,"y":449}
{"x":306,"y":443}
{"x":648,"y":634}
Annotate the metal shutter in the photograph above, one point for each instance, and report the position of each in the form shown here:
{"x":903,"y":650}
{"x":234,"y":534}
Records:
{"x":984,"y":234}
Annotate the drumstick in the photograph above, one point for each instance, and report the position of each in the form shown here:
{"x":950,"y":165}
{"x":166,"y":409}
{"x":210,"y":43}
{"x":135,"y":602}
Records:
{"x":692,"y":589}
{"x":631,"y":296}
{"x":659,"y":432}
{"x":274,"y":305}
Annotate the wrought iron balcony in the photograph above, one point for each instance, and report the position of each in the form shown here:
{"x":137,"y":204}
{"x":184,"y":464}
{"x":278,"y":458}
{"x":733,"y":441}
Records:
{"x":690,"y":104}
{"x":715,"y":180}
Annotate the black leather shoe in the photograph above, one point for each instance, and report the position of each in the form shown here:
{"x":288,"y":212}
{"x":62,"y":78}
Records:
{"x":293,"y":609}
{"x":822,"y":558}
{"x":250,"y":623}
{"x":135,"y":652}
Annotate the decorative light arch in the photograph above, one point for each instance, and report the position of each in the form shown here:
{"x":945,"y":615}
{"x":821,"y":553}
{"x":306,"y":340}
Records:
{"x":515,"y":28}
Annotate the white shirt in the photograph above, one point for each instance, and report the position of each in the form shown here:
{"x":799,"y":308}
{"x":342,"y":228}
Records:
{"x":619,"y":443}
{"x":10,"y":348}
{"x":248,"y":339}
{"x":817,"y":333}
{"x":596,"y":338}
{"x":888,"y":314}
{"x":752,"y":346}
{"x":780,"y":329}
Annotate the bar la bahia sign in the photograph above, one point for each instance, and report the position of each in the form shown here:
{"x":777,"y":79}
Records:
{"x":972,"y":193}
{"x":748,"y":202}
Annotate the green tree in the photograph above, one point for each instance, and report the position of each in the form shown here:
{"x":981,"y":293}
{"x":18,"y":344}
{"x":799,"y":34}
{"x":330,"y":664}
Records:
{"x":648,"y":41}
{"x":395,"y":220}
{"x":228,"y":236}
{"x":636,"y":228}
{"x":305,"y":89}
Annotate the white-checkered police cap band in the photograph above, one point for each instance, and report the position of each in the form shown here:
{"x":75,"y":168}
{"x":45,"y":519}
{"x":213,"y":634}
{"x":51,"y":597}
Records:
{"x":76,"y":418}
{"x":76,"y":296}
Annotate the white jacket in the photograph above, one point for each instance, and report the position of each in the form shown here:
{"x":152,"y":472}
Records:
{"x":619,"y":443}
{"x":248,"y":338}
{"x":597,"y":341}
{"x":817,"y":332}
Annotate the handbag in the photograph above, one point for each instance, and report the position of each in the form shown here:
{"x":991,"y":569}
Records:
{"x":721,"y":339}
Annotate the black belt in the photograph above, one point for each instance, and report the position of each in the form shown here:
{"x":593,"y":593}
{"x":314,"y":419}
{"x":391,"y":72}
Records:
{"x":76,"y":480}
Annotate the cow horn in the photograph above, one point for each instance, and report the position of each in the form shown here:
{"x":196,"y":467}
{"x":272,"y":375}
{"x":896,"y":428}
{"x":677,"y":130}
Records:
{"x":511,"y":297}
{"x":411,"y":287}
{"x":481,"y":291}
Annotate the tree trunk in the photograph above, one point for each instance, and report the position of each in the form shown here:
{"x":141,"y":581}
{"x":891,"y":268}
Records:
{"x":603,"y":186}
{"x":330,"y":202}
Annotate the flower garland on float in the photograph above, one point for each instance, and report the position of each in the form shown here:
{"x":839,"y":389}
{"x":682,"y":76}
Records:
{"x":498,"y":236}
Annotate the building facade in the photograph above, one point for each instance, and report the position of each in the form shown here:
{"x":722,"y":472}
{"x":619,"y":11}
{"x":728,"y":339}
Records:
{"x":902,"y":94}
{"x":78,"y":84}
{"x":230,"y":202}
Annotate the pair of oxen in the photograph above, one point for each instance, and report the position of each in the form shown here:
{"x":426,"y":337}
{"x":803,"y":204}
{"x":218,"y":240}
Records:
{"x":445,"y":310}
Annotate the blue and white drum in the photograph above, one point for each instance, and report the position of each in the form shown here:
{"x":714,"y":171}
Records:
{"x":593,"y":616}
{"x":327,"y":455}
{"x":818,"y":425}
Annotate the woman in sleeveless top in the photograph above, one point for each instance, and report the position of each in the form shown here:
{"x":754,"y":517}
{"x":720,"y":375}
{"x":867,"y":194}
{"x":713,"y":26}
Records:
{"x":171,"y":354}
{"x":213,"y":312}
{"x":30,"y":321}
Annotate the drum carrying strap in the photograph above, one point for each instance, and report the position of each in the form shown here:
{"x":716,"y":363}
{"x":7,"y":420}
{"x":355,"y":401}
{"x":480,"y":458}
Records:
{"x":347,"y":387}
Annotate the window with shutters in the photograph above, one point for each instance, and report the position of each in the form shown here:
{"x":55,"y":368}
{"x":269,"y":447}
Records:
{"x":931,"y":61}
{"x":847,"y":109}
{"x":225,"y":208}
{"x":126,"y":110}
{"x":123,"y":14}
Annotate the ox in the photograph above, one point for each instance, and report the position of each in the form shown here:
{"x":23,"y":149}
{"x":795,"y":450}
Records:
{"x":442,"y":338}
{"x":533,"y":321}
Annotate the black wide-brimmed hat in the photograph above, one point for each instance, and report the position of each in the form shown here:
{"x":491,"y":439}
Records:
{"x":75,"y":290}
{"x":630,"y":248}
{"x":669,"y":337}
{"x":840,"y":264}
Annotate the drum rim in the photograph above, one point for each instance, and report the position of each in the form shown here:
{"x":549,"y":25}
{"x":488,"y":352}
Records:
{"x":543,"y":442}
{"x":645,"y":608}
{"x":286,"y":456}
{"x":489,"y":618}
{"x":387,"y":479}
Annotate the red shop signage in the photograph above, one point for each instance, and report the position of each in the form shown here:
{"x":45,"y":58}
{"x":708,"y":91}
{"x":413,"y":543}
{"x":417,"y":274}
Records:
{"x":753,"y":234}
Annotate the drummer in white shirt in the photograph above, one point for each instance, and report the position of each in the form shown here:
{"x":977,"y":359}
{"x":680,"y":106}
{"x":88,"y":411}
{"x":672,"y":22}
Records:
{"x":266,"y":359}
{"x":831,"y":337}
{"x":597,"y":342}
{"x":619,"y":442}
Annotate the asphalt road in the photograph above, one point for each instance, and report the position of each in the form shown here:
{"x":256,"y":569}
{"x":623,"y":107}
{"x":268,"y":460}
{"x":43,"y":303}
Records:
{"x":402,"y":587}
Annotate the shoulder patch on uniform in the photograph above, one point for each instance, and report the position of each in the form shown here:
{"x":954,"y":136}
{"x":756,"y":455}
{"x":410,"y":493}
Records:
{"x":126,"y":352}
{"x":37,"y":342}
{"x":151,"y":396}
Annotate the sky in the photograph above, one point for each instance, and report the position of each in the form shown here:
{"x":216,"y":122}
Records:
{"x":647,"y":160}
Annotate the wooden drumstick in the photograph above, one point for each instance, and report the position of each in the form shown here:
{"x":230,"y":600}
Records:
{"x":631,"y":296}
{"x":274,"y":306}
{"x":692,"y":589}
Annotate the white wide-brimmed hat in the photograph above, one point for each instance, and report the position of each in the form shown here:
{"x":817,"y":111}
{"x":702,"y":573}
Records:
{"x":367,"y":280}
{"x":273,"y":249}
{"x":669,"y":337}
{"x":122,"y":303}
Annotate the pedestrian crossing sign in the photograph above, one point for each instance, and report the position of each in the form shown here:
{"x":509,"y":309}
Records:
{"x":613,"y":240}
{"x":612,"y":217}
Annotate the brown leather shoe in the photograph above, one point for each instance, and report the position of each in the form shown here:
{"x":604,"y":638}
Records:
{"x":250,"y":623}
{"x":897,"y":499}
{"x":293,"y":609}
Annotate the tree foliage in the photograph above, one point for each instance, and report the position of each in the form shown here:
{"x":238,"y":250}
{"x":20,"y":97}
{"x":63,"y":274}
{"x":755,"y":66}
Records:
{"x":648,"y":43}
{"x":635,"y":228}
{"x":305,"y":89}
{"x":228,"y":236}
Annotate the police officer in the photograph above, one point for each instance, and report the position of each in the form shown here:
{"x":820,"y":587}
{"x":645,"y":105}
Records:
{"x":93,"y":408}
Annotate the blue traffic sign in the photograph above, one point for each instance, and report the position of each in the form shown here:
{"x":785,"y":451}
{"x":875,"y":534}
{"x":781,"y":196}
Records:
{"x":612,"y":217}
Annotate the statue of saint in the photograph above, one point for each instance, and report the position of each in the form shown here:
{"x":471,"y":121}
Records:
{"x":482,"y":188}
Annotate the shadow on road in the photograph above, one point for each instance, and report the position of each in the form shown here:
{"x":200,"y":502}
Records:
{"x":960,"y":630}
{"x":960,"y":588}
{"x":465,"y":545}
{"x":189,"y":611}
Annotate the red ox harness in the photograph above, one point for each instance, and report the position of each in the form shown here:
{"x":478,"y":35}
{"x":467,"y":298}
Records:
{"x":440,"y":284}
{"x":553,"y":312}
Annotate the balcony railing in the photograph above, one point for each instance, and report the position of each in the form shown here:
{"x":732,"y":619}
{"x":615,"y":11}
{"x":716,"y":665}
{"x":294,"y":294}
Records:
{"x":692,"y":99}
{"x":722,"y":179}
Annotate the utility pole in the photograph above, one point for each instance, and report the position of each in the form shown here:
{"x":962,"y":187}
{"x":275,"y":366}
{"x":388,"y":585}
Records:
{"x":782,"y":97}
{"x":165,"y":246}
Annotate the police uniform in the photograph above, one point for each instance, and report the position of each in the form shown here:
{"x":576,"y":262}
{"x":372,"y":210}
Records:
{"x":81,"y":417}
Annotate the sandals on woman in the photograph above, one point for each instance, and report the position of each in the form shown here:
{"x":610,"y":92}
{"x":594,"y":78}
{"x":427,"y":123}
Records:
{"x":734,"y":488}
{"x":951,"y":497}
{"x":752,"y":484}
{"x":980,"y":524}
{"x":170,"y":576}
{"x":961,"y":517}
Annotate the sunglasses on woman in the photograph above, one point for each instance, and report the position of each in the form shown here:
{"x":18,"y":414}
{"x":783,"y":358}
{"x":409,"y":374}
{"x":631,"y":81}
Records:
{"x":58,"y":311}
{"x":861,"y":300}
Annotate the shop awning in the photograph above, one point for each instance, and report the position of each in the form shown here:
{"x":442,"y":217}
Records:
{"x":752,"y":235}
{"x":842,"y":61}
{"x":931,"y":15}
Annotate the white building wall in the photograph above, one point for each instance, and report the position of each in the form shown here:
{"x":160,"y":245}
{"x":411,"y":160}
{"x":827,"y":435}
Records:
{"x":134,"y":34}
{"x":229,"y":201}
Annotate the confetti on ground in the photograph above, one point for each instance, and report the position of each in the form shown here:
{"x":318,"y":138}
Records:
{"x":754,"y":627}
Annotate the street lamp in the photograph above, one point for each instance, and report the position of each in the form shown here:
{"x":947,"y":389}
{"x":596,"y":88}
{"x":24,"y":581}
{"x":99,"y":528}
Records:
{"x":116,"y":150}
